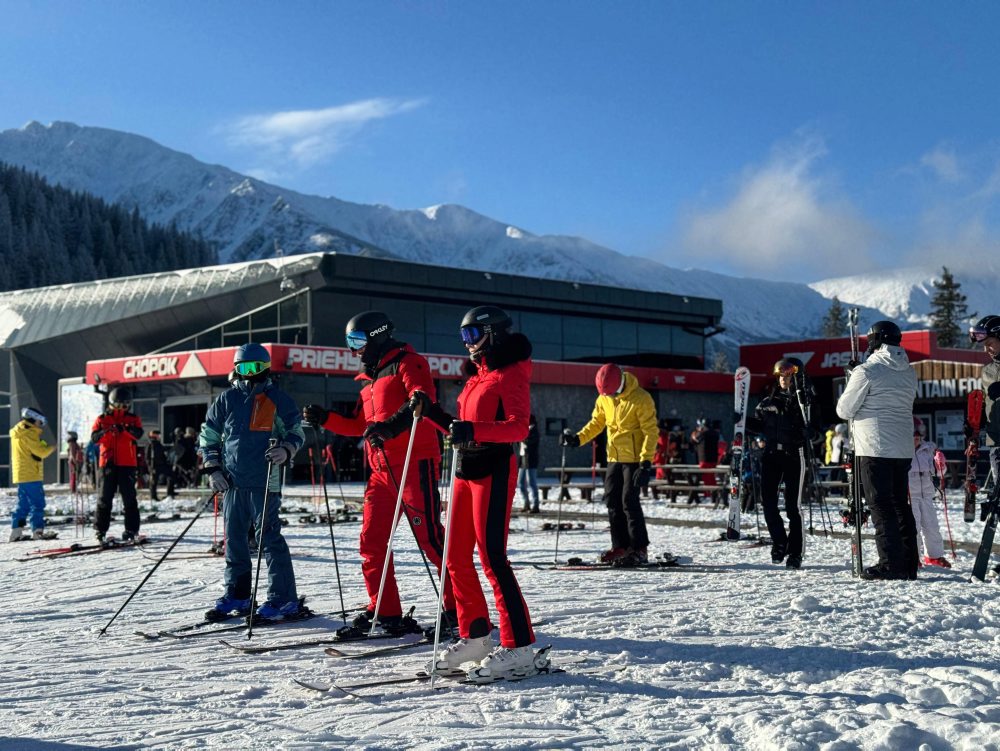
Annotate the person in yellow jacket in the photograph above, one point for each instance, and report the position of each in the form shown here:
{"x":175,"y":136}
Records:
{"x":27,"y":450}
{"x":628,"y":413}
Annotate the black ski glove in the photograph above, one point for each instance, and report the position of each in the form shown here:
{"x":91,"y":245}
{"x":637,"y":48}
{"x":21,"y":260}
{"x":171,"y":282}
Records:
{"x":377,"y":434}
{"x":462,"y":432}
{"x":569,"y":438}
{"x":641,"y":477}
{"x":314,"y":414}
{"x":420,"y":401}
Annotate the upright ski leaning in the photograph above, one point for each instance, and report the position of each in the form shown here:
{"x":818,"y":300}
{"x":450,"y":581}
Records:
{"x":973,"y":418}
{"x":741,"y":392}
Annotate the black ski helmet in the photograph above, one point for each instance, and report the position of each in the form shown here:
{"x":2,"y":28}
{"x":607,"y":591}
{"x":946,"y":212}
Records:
{"x":72,"y":436}
{"x":788,"y":366}
{"x":120,"y":395}
{"x":368,"y":333}
{"x":986,"y":327}
{"x":883,"y":332}
{"x":485,"y":320}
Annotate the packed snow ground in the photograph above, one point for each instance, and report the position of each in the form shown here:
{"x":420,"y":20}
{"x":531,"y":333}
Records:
{"x":733,"y":652}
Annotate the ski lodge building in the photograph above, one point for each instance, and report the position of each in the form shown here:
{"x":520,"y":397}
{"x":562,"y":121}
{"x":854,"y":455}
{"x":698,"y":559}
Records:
{"x":171,"y":337}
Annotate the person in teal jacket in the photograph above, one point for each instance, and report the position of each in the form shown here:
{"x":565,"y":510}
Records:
{"x":234,"y":444}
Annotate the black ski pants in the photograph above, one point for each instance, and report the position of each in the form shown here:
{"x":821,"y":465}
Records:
{"x":628,"y":523}
{"x":118,"y":479}
{"x":776,"y":466}
{"x":886,"y":486}
{"x":162,"y":473}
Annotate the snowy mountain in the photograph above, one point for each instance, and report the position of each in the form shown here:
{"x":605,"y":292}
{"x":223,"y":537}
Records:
{"x":246,"y":217}
{"x":905,"y":294}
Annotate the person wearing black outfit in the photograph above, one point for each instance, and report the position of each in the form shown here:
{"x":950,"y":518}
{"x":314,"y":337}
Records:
{"x":778,"y":418}
{"x":705,"y":442}
{"x":527,"y":473}
{"x":159,"y":465}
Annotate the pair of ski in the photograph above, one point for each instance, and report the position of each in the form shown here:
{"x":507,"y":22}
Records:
{"x":664,"y":562}
{"x":207,"y":627}
{"x":543,"y":667}
{"x":81,"y":549}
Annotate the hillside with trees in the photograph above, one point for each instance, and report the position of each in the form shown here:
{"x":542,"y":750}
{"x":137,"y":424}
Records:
{"x":50,"y":235}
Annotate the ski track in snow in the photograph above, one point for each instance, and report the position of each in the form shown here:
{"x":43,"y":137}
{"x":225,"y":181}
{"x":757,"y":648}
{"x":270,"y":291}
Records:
{"x":753,"y":656}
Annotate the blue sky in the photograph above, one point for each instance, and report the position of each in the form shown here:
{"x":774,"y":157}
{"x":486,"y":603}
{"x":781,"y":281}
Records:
{"x":786,"y":140}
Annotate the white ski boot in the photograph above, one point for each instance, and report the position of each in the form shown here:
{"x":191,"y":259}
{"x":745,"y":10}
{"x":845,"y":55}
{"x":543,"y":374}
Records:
{"x":452,"y":657}
{"x":510,"y":664}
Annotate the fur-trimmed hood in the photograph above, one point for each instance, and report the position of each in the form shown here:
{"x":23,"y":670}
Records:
{"x":511,"y":349}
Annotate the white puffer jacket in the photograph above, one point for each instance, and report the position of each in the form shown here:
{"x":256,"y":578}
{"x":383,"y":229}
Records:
{"x":879,"y":399}
{"x":922,"y":471}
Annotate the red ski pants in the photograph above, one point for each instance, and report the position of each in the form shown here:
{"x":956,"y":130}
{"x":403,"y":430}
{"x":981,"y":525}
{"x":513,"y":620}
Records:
{"x":480,"y":519}
{"x":422,"y":507}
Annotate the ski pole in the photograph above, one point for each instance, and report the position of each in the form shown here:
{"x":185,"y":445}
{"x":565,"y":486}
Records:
{"x":941,"y":465}
{"x":395,"y":517}
{"x":312,"y":477}
{"x":410,"y":522}
{"x":802,"y":487}
{"x":333,"y":542}
{"x":444,"y":566}
{"x":260,"y":539}
{"x":562,"y":486}
{"x":204,"y":505}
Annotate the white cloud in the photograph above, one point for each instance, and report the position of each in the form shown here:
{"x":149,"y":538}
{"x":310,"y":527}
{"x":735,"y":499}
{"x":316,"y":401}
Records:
{"x":943,"y":162}
{"x":307,"y":137}
{"x":784,"y":221}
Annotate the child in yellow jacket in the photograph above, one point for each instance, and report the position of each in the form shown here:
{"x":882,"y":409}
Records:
{"x":27,"y":450}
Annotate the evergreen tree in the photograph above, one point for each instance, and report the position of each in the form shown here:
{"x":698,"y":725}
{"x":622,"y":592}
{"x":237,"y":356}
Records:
{"x":835,"y":322}
{"x":50,"y":235}
{"x":948,"y":310}
{"x":720,"y":362}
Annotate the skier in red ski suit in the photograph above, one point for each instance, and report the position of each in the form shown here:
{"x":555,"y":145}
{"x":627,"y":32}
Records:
{"x":392,"y":372}
{"x":493,"y":412}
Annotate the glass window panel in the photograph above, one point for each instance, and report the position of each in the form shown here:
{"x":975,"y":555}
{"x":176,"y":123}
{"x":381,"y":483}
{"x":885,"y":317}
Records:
{"x":266,"y":318}
{"x":687,"y":344}
{"x":653,"y":338}
{"x":545,"y":351}
{"x":618,"y":335}
{"x":293,"y":311}
{"x":541,"y":327}
{"x":586,"y":331}
{"x":264,"y":335}
{"x":294,"y":335}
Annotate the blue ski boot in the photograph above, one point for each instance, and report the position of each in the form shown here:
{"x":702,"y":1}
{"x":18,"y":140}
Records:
{"x":228,"y":607}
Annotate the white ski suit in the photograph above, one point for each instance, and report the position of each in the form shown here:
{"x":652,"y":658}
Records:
{"x":922,"y":495}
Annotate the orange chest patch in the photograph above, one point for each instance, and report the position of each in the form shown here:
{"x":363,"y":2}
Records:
{"x":262,"y":416}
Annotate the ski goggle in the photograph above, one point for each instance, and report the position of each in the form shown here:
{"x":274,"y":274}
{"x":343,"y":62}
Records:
{"x":979,"y":334}
{"x":357,"y":340}
{"x":785,"y":368}
{"x":472,"y":334}
{"x":251,"y":367}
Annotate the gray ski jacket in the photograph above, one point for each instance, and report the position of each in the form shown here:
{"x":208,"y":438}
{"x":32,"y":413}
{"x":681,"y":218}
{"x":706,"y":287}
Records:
{"x":879,"y":398}
{"x":991,"y":389}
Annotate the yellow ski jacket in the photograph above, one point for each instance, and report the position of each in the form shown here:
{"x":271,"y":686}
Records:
{"x":630,"y":419}
{"x":27,"y":449}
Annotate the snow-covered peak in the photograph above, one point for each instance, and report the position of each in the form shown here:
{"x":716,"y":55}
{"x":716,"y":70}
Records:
{"x":244,"y":217}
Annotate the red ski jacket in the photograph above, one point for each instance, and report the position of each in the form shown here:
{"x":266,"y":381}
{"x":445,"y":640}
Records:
{"x":400,"y":372}
{"x":116,"y":432}
{"x":497,"y":400}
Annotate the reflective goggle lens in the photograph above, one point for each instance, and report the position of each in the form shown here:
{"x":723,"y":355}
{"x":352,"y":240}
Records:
{"x":471,"y":334}
{"x":977,"y":334}
{"x":786,"y":370}
{"x":357,"y":340}
{"x":251,"y":367}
